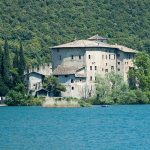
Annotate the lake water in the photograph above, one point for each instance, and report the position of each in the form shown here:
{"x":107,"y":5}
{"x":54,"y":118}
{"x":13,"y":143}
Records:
{"x":96,"y":128}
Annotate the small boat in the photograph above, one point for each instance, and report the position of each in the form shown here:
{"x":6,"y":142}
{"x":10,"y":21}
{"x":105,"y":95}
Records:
{"x":104,"y":105}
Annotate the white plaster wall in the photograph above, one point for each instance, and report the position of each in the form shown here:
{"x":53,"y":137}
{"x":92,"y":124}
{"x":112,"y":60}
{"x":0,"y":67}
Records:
{"x":33,"y":80}
{"x":128,"y":62}
{"x":66,"y":57}
{"x":78,"y":86}
{"x":100,"y":59}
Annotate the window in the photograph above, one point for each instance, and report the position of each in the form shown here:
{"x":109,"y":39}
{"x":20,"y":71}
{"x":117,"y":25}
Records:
{"x":106,"y":64}
{"x":102,"y":69}
{"x":72,"y":81}
{"x":72,"y":88}
{"x":109,"y":56}
{"x":60,"y":57}
{"x":118,"y":63}
{"x":90,"y":94}
{"x":90,"y":67}
{"x":106,"y":70}
{"x":129,"y":56}
{"x":118,"y":55}
{"x":89,"y":56}
{"x":114,"y":56}
{"x":80,"y":80}
{"x":112,"y":68}
{"x":79,"y":57}
{"x":95,"y":67}
{"x":118,"y":69}
{"x":66,"y":76}
{"x":102,"y":56}
{"x":71,"y":56}
{"x":90,"y":78}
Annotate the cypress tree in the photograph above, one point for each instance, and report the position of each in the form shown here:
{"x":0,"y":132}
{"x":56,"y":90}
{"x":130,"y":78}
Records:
{"x":6,"y":64}
{"x":1,"y":61}
{"x":14,"y":72}
{"x":16,"y":60}
{"x":22,"y":64}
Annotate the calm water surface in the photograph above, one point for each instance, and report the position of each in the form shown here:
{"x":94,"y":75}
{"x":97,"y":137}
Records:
{"x":96,"y":128}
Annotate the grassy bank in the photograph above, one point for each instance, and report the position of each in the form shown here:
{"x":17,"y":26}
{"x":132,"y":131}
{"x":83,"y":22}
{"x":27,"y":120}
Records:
{"x":64,"y":102}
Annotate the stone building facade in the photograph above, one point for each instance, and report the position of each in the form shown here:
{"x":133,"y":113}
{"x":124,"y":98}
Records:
{"x":76,"y":64}
{"x":44,"y":69}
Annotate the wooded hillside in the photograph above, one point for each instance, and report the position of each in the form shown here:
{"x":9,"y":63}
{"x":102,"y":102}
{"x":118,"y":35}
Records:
{"x":44,"y":23}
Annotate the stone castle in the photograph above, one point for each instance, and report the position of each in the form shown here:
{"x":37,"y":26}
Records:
{"x":76,"y":64}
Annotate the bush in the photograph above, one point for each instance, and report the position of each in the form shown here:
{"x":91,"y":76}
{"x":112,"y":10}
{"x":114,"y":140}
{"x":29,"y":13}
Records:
{"x":15,"y":98}
{"x":82,"y":103}
{"x":128,"y":98}
{"x":34,"y":102}
{"x":141,"y":97}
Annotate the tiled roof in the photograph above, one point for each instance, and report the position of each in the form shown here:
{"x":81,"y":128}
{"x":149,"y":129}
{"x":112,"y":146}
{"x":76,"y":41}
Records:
{"x":82,"y":43}
{"x":93,"y":44}
{"x":124,"y":49}
{"x":62,"y":70}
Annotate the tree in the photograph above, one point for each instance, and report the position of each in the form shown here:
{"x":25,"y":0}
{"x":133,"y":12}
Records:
{"x":16,"y":60}
{"x":51,"y":84}
{"x":1,"y":61}
{"x":110,"y":88}
{"x":6,"y":65}
{"x":22,"y":64}
{"x":3,"y":88}
{"x":140,"y":75}
{"x":132,"y":79}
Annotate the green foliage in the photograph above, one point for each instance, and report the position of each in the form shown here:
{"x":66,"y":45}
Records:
{"x":142,"y":71}
{"x":142,"y":98}
{"x":42,"y":24}
{"x":21,"y":62}
{"x":134,"y":97}
{"x":51,"y":84}
{"x":11,"y":84}
{"x":139,"y":77}
{"x":1,"y":61}
{"x":3,"y":88}
{"x":84,"y":103}
{"x":16,"y":96}
{"x":109,"y":88}
{"x":115,"y":91}
{"x":34,"y":101}
{"x":16,"y":60}
{"x":6,"y":64}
